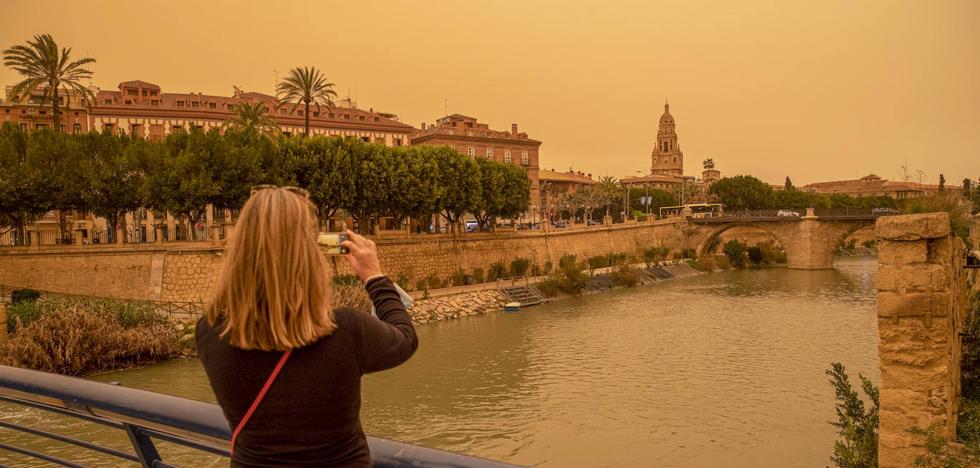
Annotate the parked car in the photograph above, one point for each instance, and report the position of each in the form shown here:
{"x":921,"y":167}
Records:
{"x":884,"y":211}
{"x":471,"y":226}
{"x":787,"y":213}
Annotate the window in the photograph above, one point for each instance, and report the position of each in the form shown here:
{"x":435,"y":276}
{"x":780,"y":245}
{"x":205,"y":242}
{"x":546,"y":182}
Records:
{"x":63,"y":127}
{"x":136,"y":130}
{"x":128,"y":102}
{"x":330,"y":115}
{"x":507,"y":157}
{"x":347,"y":116}
{"x":287,"y":134}
{"x":316,"y":114}
{"x":176,"y":128}
{"x":23,"y":126}
{"x":195,"y":104}
{"x":377,"y":119}
{"x":470,"y":151}
{"x":524,"y":158}
{"x":145,"y":93}
{"x":107,"y":101}
{"x":42,"y":112}
{"x":398,"y":141}
{"x":361,"y":118}
{"x":283,"y":111}
{"x":212,"y":105}
{"x":107,"y":128}
{"x":131,"y":92}
{"x":180,"y":103}
{"x":77,"y":128}
{"x":40,"y":126}
{"x":154,"y":102}
{"x":489,"y":153}
{"x":366,"y":139}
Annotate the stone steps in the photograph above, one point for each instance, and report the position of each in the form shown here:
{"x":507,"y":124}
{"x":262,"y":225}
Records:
{"x":525,"y":295}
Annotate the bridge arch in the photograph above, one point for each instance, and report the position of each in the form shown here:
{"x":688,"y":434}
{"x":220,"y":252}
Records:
{"x":810,"y":242}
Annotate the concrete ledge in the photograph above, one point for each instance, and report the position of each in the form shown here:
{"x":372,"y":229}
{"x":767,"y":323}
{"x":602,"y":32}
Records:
{"x":913,"y":227}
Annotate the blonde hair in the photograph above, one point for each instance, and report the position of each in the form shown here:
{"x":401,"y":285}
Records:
{"x":273,"y":291}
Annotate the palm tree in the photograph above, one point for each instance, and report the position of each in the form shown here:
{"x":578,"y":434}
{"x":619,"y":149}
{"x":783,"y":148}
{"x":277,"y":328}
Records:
{"x":42,"y":65}
{"x":253,"y":116}
{"x":308,"y":86}
{"x":709,"y":164}
{"x":608,"y":190}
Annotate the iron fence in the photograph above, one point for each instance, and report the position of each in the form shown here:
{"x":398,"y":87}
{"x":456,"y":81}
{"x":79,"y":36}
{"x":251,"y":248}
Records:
{"x":146,"y":418}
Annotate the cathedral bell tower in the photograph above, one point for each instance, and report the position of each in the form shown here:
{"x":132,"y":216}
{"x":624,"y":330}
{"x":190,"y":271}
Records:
{"x":667,"y":157}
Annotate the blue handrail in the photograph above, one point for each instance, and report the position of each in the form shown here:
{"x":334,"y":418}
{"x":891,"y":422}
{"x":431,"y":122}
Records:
{"x":146,"y":416}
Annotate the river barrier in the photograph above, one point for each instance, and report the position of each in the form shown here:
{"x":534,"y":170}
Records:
{"x":725,"y":369}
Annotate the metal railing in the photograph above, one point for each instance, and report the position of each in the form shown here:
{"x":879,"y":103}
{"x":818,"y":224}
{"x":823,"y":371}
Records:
{"x":146,"y":418}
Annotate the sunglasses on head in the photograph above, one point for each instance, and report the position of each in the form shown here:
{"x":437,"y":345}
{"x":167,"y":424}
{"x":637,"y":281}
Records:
{"x":288,"y":188}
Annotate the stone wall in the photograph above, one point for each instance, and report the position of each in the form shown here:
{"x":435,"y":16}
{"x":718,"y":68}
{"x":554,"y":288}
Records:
{"x":922,"y":296}
{"x":188,"y":271}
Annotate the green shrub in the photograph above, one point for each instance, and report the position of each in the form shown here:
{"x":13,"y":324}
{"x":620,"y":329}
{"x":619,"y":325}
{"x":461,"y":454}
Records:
{"x":78,"y":337}
{"x":970,"y":357}
{"x":617,"y":259}
{"x":496,"y":270}
{"x":654,"y":255}
{"x":772,"y":253}
{"x":959,"y":212}
{"x":434,"y":282}
{"x":969,"y":424}
{"x":857,"y":426}
{"x":404,"y":280}
{"x":548,"y":287}
{"x":939,"y":452}
{"x":870,"y":243}
{"x":24,"y":295}
{"x":547,"y":267}
{"x":24,"y":312}
{"x":569,"y":277}
{"x":478,"y":275}
{"x":535,"y":270}
{"x":519,"y":266}
{"x":346,"y":280}
{"x":601,"y":261}
{"x":689,"y":253}
{"x":625,"y":275}
{"x":421,"y":285}
{"x":736,"y":253}
{"x":460,"y":278}
{"x":721,"y":261}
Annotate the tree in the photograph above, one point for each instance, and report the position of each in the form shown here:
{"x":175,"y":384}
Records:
{"x":307,"y":86}
{"x":607,"y":192}
{"x":43,"y":66}
{"x":789,"y":185}
{"x":942,"y":183}
{"x":857,"y":427}
{"x":658,"y":198}
{"x":459,"y":177}
{"x":967,"y":187}
{"x":252,"y":117}
{"x":743,"y":193}
{"x":21,"y":199}
{"x":708,"y":164}
{"x":110,"y":168}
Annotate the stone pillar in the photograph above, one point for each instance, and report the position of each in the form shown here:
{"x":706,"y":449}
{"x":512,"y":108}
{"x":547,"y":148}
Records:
{"x":78,"y":236}
{"x":3,"y":321}
{"x":158,"y":233}
{"x":216,"y":234}
{"x":921,"y":304}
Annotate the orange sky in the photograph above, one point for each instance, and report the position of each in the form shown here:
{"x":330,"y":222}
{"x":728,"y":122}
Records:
{"x":814,"y":90}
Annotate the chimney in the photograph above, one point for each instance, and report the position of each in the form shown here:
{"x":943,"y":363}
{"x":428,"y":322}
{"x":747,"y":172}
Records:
{"x":513,"y":129}
{"x":423,"y":125}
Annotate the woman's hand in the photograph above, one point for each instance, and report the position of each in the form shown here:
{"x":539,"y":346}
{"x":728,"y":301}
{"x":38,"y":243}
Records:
{"x":363,"y":256}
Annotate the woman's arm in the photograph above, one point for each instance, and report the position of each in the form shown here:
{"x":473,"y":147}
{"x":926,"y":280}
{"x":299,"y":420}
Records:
{"x":389,"y":339}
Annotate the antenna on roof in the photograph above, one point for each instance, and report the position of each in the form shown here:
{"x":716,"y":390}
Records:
{"x":276,"y":84}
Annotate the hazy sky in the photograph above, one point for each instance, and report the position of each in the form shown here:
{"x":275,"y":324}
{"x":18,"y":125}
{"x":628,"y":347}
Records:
{"x":817,"y":90}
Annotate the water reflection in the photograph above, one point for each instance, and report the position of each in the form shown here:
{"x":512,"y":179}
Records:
{"x":717,"y":370}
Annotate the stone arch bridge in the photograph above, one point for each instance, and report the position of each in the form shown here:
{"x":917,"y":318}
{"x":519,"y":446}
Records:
{"x":810,"y":241}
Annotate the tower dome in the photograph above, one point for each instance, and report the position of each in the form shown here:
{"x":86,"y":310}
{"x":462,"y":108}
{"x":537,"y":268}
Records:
{"x":666,"y":119}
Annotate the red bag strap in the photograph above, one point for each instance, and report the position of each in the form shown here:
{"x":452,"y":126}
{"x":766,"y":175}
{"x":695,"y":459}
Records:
{"x":258,"y":398}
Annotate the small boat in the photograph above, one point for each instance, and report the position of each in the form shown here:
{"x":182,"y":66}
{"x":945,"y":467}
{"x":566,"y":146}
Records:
{"x":512,"y":307}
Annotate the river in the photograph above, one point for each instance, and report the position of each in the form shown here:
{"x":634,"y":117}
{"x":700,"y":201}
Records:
{"x":718,"y":370}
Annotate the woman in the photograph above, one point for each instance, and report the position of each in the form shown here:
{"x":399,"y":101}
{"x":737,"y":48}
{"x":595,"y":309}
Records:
{"x":285,"y":368}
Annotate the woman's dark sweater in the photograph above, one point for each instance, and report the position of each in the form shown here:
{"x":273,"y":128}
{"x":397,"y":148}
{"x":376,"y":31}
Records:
{"x":311,"y":414}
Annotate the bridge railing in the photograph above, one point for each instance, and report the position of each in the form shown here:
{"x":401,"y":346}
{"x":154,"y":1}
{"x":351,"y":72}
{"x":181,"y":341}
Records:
{"x":147,"y":417}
